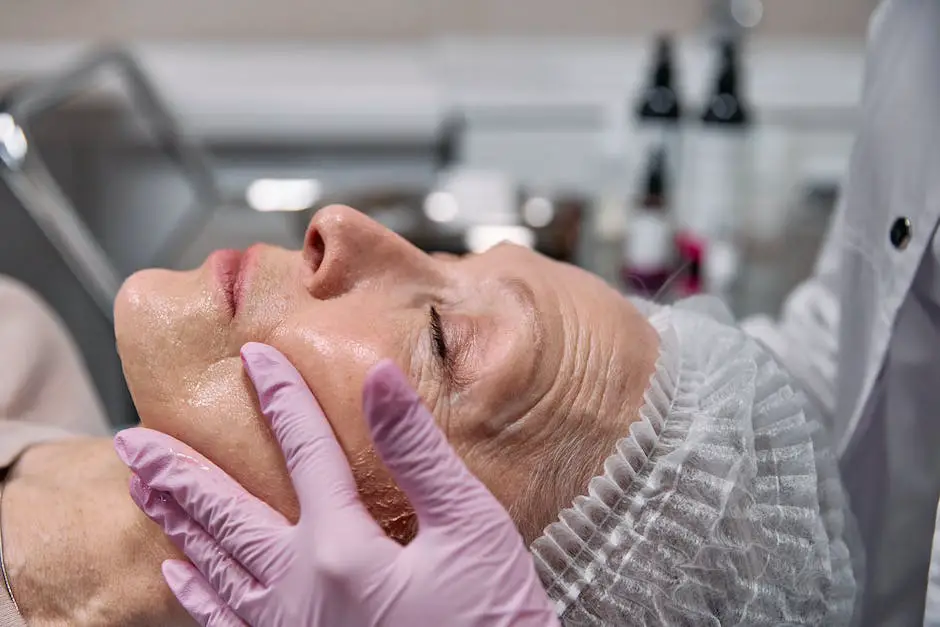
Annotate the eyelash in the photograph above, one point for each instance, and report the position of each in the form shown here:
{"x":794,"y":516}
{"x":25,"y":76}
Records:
{"x":437,"y":335}
{"x":449,"y":356}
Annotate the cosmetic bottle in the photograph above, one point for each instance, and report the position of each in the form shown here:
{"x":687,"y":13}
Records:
{"x":649,"y":247}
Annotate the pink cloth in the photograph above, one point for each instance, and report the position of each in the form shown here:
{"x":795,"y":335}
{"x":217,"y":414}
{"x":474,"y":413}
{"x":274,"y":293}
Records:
{"x":45,"y":391}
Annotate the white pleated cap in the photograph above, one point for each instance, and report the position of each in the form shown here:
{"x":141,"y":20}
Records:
{"x":722,"y":506}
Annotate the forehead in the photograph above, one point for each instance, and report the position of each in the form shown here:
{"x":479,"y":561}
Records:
{"x":597,"y":351}
{"x":576,"y":310}
{"x":543,"y":275}
{"x":577,"y":305}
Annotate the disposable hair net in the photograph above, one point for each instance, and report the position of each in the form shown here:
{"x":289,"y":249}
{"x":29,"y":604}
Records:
{"x":722,"y":506}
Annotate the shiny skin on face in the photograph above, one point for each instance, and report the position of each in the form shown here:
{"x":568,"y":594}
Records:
{"x":511,"y":351}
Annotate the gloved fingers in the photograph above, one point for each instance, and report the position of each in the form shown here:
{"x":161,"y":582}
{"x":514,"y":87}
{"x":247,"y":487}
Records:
{"x":317,"y":464}
{"x":417,"y":454}
{"x":203,"y":495}
{"x":197,"y":597}
{"x":219,"y":568}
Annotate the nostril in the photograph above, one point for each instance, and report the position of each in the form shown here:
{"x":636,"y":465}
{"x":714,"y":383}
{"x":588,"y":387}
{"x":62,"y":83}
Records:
{"x":315,"y":249}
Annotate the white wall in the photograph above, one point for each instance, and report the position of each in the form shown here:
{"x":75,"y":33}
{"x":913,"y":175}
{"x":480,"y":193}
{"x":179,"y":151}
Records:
{"x":305,"y":19}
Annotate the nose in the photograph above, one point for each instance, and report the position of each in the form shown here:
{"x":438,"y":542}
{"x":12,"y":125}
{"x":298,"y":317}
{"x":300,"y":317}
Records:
{"x":345,"y":250}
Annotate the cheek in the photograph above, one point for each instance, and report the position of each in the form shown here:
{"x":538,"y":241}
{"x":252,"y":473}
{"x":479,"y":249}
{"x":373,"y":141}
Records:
{"x":217,"y":414}
{"x":188,"y":382}
{"x":334,"y":353}
{"x":192,"y":386}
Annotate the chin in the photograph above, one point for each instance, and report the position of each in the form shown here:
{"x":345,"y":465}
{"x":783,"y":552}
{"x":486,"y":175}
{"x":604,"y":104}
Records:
{"x":162,"y":327}
{"x":128,"y":315}
{"x":137,"y":295}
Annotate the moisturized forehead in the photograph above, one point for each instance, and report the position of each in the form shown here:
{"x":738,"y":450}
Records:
{"x":548,"y":280}
{"x":585,"y":327}
{"x":586,"y":383}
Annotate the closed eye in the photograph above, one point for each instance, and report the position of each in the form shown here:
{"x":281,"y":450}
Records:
{"x":451,"y":345}
{"x":437,"y":335}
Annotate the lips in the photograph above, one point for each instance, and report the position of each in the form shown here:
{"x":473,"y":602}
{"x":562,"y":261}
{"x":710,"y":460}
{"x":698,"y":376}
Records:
{"x":227,"y":266}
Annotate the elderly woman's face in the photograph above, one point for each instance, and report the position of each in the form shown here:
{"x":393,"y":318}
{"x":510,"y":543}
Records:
{"x":513,"y":353}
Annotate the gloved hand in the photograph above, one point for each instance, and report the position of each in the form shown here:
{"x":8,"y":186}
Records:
{"x":336,"y":568}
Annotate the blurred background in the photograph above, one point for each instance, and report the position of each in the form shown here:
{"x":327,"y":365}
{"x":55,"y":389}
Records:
{"x":674,"y":148}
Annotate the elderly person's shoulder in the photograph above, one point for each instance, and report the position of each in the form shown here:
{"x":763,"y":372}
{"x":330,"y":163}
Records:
{"x":44,"y":381}
{"x":31,"y":335}
{"x":25,"y":315}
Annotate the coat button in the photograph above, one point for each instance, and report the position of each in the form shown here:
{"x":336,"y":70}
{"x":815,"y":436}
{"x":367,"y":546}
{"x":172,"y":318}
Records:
{"x":901,"y":233}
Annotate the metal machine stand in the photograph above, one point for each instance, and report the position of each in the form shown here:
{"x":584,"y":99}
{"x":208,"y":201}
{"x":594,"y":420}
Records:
{"x":23,"y":170}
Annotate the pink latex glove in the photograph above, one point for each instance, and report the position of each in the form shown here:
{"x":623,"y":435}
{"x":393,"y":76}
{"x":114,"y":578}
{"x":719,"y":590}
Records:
{"x":336,"y":567}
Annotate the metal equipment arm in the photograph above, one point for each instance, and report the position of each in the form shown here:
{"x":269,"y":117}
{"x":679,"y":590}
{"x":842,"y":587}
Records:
{"x":24,"y":171}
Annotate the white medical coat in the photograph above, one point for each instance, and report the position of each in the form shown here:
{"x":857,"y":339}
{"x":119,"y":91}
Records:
{"x":863,"y":333}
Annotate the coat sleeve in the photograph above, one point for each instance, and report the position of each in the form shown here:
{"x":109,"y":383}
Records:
{"x":806,"y":336}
